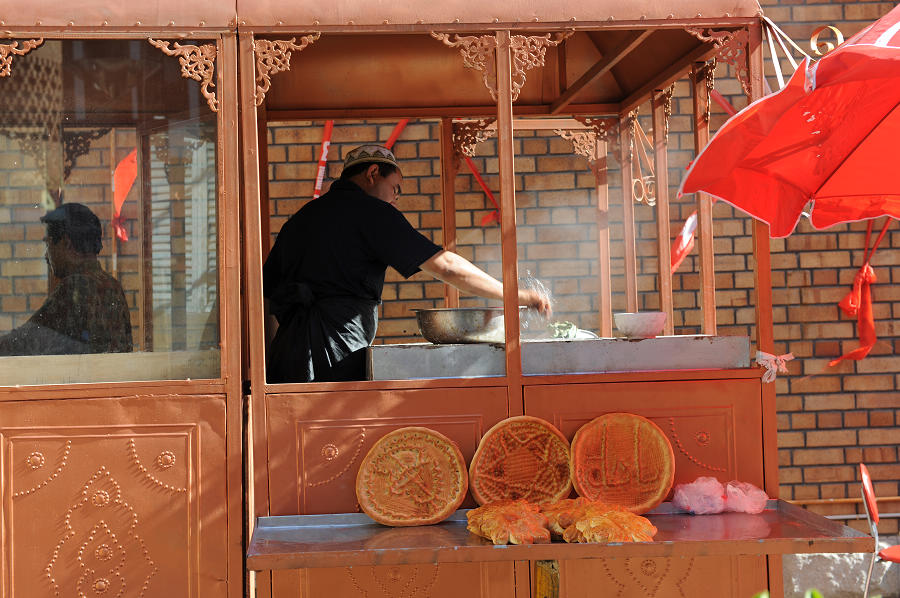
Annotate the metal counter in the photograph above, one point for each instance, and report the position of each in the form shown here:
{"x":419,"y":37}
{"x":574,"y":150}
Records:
{"x":353,"y":539}
{"x":426,"y":360}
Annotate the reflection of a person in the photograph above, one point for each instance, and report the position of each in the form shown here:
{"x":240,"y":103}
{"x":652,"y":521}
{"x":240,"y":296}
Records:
{"x":324,"y":276}
{"x":86,"y":311}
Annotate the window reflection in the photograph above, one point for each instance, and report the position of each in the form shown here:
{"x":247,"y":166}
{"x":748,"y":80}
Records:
{"x":109,"y":154}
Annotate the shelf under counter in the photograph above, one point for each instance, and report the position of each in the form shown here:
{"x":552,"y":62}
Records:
{"x":353,"y":539}
{"x":558,"y":356}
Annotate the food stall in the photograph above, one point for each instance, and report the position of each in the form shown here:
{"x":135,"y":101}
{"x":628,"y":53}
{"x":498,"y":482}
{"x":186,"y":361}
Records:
{"x":146,"y":471}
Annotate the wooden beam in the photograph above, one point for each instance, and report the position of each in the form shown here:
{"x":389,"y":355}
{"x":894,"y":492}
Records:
{"x":628,"y":235}
{"x":509,"y":249}
{"x":672,"y":73}
{"x":606,"y":109}
{"x":704,"y":207}
{"x":601,"y":67}
{"x":449,"y":167}
{"x":604,"y":268}
{"x":661,"y":172}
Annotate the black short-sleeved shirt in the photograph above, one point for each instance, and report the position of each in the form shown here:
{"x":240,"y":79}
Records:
{"x":339,"y":247}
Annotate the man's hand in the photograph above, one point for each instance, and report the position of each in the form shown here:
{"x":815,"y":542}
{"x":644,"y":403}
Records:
{"x":537,"y":300}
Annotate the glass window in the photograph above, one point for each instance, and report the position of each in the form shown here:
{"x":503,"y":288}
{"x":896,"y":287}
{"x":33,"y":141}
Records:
{"x":108,"y":249}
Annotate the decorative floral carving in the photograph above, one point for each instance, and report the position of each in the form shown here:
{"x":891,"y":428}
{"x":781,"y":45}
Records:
{"x":707,"y":73}
{"x":165,"y":460}
{"x":63,"y":461}
{"x":651,"y":589}
{"x":677,"y":444}
{"x":528,"y":52}
{"x":667,"y":108}
{"x":477,"y":53}
{"x":77,"y":144}
{"x":100,"y":498}
{"x":732,"y":50}
{"x":112,"y":541}
{"x":7,"y":51}
{"x":197,"y":63}
{"x":330,"y":452}
{"x":583,"y":142}
{"x":703,"y":437}
{"x":467,"y":134}
{"x":273,"y":57}
{"x":359,"y":445}
{"x":607,"y":129}
{"x":648,"y":567}
{"x":35,"y":460}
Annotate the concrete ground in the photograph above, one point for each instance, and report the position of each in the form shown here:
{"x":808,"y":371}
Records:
{"x":841,"y":575}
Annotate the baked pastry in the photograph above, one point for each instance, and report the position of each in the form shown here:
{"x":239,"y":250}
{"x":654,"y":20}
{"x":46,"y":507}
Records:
{"x":580,"y":520}
{"x":521,"y":457}
{"x":509,"y":522}
{"x":411,"y":476}
{"x":622,"y":459}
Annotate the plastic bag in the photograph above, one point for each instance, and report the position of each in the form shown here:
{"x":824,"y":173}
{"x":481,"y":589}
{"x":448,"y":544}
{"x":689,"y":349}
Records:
{"x":707,"y":495}
{"x":743,"y":497}
{"x":703,"y":496}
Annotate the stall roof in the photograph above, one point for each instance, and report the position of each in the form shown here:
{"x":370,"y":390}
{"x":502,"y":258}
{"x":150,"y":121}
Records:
{"x":213,"y":14}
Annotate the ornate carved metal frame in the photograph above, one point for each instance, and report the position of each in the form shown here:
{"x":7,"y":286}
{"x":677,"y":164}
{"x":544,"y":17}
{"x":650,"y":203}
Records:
{"x":528,"y":52}
{"x":708,"y":73}
{"x":7,"y":51}
{"x":467,"y":134}
{"x":732,"y":50}
{"x":197,"y":63}
{"x":273,"y":57}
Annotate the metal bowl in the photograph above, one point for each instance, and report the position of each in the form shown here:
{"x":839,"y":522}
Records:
{"x":646,"y":324}
{"x":443,"y":325}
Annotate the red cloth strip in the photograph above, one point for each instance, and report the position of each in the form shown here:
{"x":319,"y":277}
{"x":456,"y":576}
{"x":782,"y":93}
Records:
{"x":721,"y":101}
{"x":323,"y":157}
{"x":396,"y":133}
{"x":495,"y":215}
{"x":858,"y":302}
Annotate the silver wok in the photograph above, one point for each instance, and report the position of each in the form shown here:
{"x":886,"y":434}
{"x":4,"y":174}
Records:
{"x":443,"y":325}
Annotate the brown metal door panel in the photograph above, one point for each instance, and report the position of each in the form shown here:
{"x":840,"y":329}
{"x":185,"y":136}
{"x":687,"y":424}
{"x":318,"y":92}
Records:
{"x":317,"y":440}
{"x":446,"y":580}
{"x":665,"y":577}
{"x":114,"y":496}
{"x":715,"y":426}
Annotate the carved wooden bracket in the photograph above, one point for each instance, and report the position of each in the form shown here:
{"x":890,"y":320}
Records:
{"x":273,"y":57}
{"x":77,"y":144}
{"x":732,"y":50}
{"x":584,"y":143}
{"x":197,"y":63}
{"x":707,"y":72}
{"x":605,"y":128}
{"x":467,"y":134}
{"x":528,"y":52}
{"x":7,"y":51}
{"x":666,"y":96}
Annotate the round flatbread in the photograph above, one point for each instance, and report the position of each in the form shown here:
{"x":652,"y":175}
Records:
{"x":411,"y":476}
{"x":521,"y":457}
{"x":623,"y":459}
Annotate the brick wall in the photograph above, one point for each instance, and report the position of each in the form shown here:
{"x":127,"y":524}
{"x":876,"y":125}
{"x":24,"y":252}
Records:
{"x":829,"y":419}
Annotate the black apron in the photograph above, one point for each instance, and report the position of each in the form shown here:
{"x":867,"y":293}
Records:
{"x":319,"y":338}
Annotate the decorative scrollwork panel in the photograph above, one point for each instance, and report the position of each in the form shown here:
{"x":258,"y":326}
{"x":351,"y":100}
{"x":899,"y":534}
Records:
{"x":468,"y":134}
{"x":7,"y":51}
{"x":197,"y":63}
{"x":273,"y":57}
{"x":731,"y":49}
{"x":100,"y":508}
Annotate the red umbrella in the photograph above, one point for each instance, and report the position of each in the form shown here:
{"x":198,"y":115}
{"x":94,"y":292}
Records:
{"x":830,"y":137}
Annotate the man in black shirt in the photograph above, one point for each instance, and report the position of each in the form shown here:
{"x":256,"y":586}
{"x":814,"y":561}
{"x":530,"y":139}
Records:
{"x":325,"y":273}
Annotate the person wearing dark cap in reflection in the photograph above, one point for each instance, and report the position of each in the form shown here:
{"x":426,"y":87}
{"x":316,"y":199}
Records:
{"x":324,"y":276}
{"x":86,"y":310}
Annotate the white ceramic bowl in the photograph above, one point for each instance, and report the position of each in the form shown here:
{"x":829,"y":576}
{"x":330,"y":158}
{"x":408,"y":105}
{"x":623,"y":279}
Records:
{"x":646,"y":324}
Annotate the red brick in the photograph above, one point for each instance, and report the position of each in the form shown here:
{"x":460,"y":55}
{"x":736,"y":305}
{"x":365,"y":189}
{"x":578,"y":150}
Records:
{"x":829,"y":474}
{"x":879,"y":436}
{"x":831,"y":419}
{"x":833,"y":438}
{"x":828,"y":402}
{"x":818,"y":456}
{"x":881,"y":418}
{"x":856,"y":419}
